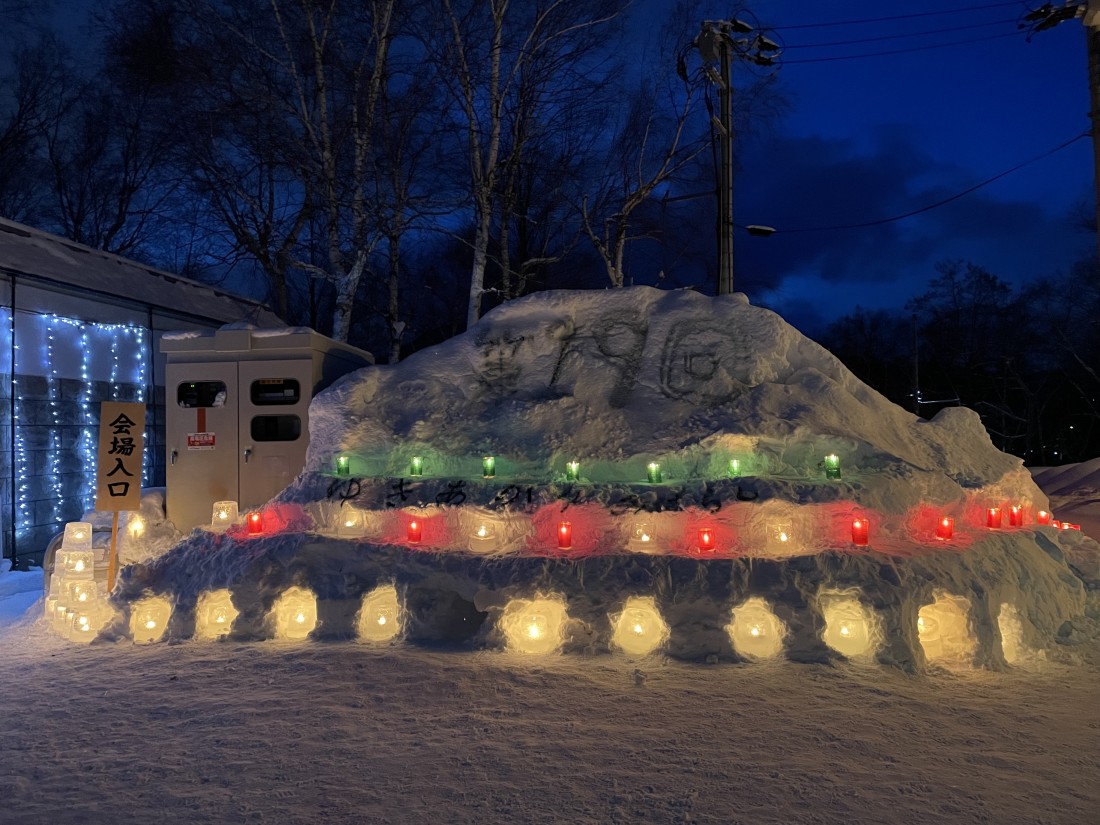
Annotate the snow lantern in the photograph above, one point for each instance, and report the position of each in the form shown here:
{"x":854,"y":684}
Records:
{"x":1012,"y":634}
{"x":135,"y":526}
{"x":534,"y":626}
{"x":639,"y":629}
{"x":850,"y":627}
{"x":75,"y":564}
{"x":215,"y":614}
{"x":80,"y":592}
{"x":349,"y":522}
{"x":224,"y":515}
{"x":780,"y":538}
{"x":755,"y":630}
{"x":149,"y":619}
{"x":380,"y":615}
{"x":484,"y":539}
{"x":643,"y":537}
{"x":85,"y":623}
{"x":78,"y":536}
{"x":295,"y":614}
{"x":943,"y":628}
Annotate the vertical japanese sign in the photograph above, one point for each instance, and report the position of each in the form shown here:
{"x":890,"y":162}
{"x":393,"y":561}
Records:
{"x":118,"y":457}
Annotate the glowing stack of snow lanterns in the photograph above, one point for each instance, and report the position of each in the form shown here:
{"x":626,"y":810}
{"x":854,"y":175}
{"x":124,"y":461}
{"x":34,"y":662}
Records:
{"x":76,"y":606}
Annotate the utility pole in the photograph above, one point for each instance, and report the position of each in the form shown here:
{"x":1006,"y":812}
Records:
{"x":717,"y":43}
{"x":1047,"y":17}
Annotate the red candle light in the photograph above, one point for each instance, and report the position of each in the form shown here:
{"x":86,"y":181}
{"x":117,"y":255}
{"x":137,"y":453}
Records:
{"x":993,"y":517}
{"x":1015,"y":516}
{"x":706,"y":539}
{"x":565,"y":535}
{"x":861,"y":531}
{"x":1042,"y":517}
{"x":946,"y":528}
{"x":255,"y":523}
{"x":416,"y":531}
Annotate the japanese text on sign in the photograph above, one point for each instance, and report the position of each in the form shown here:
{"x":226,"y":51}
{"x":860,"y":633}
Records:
{"x":119,"y":456}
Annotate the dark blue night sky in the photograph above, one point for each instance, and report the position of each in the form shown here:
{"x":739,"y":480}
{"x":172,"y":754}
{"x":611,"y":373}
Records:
{"x":872,"y":137}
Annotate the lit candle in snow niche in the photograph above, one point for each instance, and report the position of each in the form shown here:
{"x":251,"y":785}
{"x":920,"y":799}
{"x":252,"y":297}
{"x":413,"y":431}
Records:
{"x":734,"y":468}
{"x":416,"y":466}
{"x":706,"y":539}
{"x":415,"y":532}
{"x":642,"y":538}
{"x":484,"y":539}
{"x":1015,"y":516}
{"x":572,"y":471}
{"x":832,"y":466}
{"x":488,"y":466}
{"x":653,"y":472}
{"x":993,"y":517}
{"x":861,"y":529}
{"x":565,"y":535}
{"x":343,"y":465}
{"x":945,"y":528}
{"x":255,"y":523}
{"x":1042,"y":517}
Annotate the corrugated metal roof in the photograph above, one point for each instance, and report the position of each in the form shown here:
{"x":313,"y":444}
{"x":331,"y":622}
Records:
{"x":29,"y":252}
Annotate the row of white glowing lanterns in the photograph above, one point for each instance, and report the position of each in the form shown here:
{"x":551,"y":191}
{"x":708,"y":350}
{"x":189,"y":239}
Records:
{"x":538,"y":625}
{"x":642,"y":538}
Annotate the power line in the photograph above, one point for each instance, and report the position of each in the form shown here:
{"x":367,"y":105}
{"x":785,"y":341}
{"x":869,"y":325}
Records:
{"x":945,"y":201}
{"x":903,"y":51}
{"x":899,"y":17}
{"x":948,"y":30}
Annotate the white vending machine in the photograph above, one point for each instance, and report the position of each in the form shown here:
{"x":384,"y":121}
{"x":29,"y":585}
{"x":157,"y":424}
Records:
{"x":237,"y":413}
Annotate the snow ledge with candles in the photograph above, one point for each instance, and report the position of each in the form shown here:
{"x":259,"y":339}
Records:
{"x":635,"y":471}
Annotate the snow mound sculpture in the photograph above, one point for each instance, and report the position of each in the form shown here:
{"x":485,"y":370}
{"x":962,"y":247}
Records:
{"x":596,"y":451}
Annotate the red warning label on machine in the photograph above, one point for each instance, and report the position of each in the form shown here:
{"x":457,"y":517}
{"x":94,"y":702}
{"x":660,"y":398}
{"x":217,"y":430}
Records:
{"x":200,"y":441}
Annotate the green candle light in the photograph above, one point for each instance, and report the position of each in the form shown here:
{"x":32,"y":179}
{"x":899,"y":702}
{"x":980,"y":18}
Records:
{"x":832,"y":466}
{"x":343,"y":465}
{"x":416,"y":466}
{"x":735,"y":468}
{"x":572,"y":471}
{"x":653,"y":472}
{"x":488,"y":466}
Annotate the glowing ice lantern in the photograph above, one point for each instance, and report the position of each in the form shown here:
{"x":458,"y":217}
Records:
{"x":135,"y":527}
{"x":76,"y":564}
{"x":534,"y":626}
{"x":861,"y":531}
{"x":993,"y":518}
{"x":944,"y":632}
{"x":639,"y":629}
{"x":1015,"y":516}
{"x":416,"y":466}
{"x":849,"y":627}
{"x":572,"y":471}
{"x":80,"y":593}
{"x":255,"y":523}
{"x":565,"y":535}
{"x":380,"y":615}
{"x":945,"y":528}
{"x":642,"y":538}
{"x":832,"y":466}
{"x":706,"y":539}
{"x":780,"y":537}
{"x":484,"y":538}
{"x":214,"y":614}
{"x":488,"y":466}
{"x":653,"y":472}
{"x":149,"y":619}
{"x":350,"y":523}
{"x":84,"y":625}
{"x":756,"y":631}
{"x":734,"y":469}
{"x":224,"y":515}
{"x":78,"y":536}
{"x":1043,"y":517}
{"x":295,"y":614}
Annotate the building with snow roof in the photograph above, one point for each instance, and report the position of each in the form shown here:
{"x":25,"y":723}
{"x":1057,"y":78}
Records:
{"x":79,"y":326}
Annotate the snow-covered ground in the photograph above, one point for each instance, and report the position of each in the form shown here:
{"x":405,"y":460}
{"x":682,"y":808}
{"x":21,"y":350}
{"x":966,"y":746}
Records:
{"x":342,"y":732}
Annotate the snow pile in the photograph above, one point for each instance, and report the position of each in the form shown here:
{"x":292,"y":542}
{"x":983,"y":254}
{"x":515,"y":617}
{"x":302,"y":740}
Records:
{"x":618,"y":381}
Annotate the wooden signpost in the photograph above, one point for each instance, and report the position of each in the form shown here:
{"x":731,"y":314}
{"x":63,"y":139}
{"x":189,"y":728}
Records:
{"x":118,"y":467}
